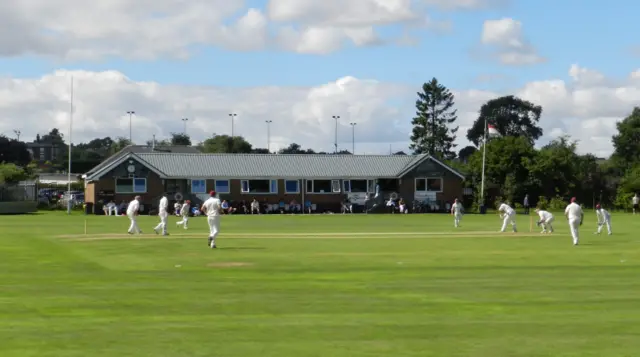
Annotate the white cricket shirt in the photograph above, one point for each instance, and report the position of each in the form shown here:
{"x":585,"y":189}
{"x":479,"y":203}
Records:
{"x":212,"y":206}
{"x":506,"y":209}
{"x":545,"y":215}
{"x":456,"y":208}
{"x":573,"y":211}
{"x":602,"y":215}
{"x":133,"y":207}
{"x":164,"y":204}
{"x":184,"y":211}
{"x":635,"y":200}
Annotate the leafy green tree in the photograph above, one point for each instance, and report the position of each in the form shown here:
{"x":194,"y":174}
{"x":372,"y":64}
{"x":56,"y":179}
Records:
{"x":507,"y":168}
{"x":14,"y":151}
{"x":465,"y":153}
{"x":433,"y":130}
{"x":626,"y":142}
{"x":294,"y":148}
{"x":511,"y":116}
{"x":12,"y":173}
{"x":180,"y":139}
{"x":225,"y":144}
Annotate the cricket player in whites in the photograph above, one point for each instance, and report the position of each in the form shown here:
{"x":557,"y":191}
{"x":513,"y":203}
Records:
{"x":508,"y":215}
{"x":164,"y":215}
{"x":456,"y":212}
{"x":184,"y":213}
{"x":603,"y":218}
{"x":635,"y":201}
{"x":574,"y":215}
{"x":211,"y":207}
{"x":546,"y":220}
{"x":132,"y":212}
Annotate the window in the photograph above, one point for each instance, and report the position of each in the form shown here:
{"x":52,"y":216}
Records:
{"x":222,"y":186}
{"x":198,"y":186}
{"x":291,"y":186}
{"x":41,"y":151}
{"x":323,"y":186}
{"x":131,"y":185}
{"x":259,"y":186}
{"x":356,"y":186}
{"x":429,"y":184}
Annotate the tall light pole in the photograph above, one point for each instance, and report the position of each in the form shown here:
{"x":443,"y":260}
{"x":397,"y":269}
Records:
{"x":131,"y":113}
{"x":184,"y":121}
{"x":70,"y":144}
{"x":233,"y":118}
{"x":268,"y":134}
{"x":336,"y":117}
{"x":17,"y":132}
{"x":353,"y":137}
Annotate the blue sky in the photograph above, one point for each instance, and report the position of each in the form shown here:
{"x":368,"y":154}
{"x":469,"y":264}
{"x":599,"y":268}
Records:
{"x":554,"y":35}
{"x":565,"y":32}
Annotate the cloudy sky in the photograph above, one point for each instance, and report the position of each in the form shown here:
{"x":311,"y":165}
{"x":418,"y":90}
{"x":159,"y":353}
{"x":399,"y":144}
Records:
{"x":300,"y":62}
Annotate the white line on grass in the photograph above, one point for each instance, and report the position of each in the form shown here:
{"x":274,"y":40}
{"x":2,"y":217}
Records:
{"x":349,"y":235}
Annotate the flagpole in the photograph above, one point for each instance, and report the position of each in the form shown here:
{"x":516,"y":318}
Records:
{"x":484,"y":159}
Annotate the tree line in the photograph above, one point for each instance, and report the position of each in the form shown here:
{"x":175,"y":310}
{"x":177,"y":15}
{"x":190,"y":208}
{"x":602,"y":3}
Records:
{"x":514,"y":166}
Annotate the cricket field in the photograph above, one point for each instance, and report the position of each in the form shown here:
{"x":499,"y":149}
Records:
{"x":321,"y":285}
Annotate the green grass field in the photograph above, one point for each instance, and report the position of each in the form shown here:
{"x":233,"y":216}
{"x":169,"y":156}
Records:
{"x":330,"y":286}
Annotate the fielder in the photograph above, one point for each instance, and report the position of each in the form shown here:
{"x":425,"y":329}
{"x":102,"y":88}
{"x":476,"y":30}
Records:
{"x":132,"y":212}
{"x":508,"y":215}
{"x":635,"y":201}
{"x":603,"y":218}
{"x":211,"y":207}
{"x":184,"y":212}
{"x":163,"y":214}
{"x":456,"y":212}
{"x":546,"y":221}
{"x":574,"y":215}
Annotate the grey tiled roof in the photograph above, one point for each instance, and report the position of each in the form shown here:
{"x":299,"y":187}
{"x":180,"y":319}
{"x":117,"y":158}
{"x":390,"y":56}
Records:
{"x":144,"y":149}
{"x":279,"y":166}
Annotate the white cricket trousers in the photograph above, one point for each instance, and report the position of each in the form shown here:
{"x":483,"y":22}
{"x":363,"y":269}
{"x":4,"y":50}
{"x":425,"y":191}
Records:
{"x":133,"y":228}
{"x":607,"y":221}
{"x":163,"y":222}
{"x":547,"y":225}
{"x":509,"y":218}
{"x":214,"y":227}
{"x":184,"y":222}
{"x":456,"y":219}
{"x":574,"y":226}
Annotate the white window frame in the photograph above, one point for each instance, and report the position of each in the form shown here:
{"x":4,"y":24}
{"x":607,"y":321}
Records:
{"x":191,"y":186}
{"x":344,"y":185}
{"x":133,"y":185}
{"x":297,"y":185}
{"x":215,"y":185}
{"x":272,"y":183}
{"x":426,"y":184}
{"x":335,"y":187}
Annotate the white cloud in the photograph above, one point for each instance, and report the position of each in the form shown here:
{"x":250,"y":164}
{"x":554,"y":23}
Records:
{"x":146,"y":29}
{"x":587,"y":112}
{"x":508,"y":42}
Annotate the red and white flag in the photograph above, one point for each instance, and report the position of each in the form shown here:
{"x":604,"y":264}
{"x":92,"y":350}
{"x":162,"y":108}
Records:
{"x":492,"y":131}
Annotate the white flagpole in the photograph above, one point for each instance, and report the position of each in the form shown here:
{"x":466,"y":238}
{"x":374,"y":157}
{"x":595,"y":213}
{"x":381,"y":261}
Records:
{"x":484,"y":159}
{"x":70,"y":144}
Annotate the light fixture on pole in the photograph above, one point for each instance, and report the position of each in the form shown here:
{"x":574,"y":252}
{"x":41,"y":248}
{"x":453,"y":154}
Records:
{"x":17,"y":132}
{"x":184,"y":121}
{"x":353,"y":137}
{"x":233,"y":117}
{"x":131,"y":113}
{"x":268,"y":134}
{"x":70,"y":145}
{"x":336,"y":117}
